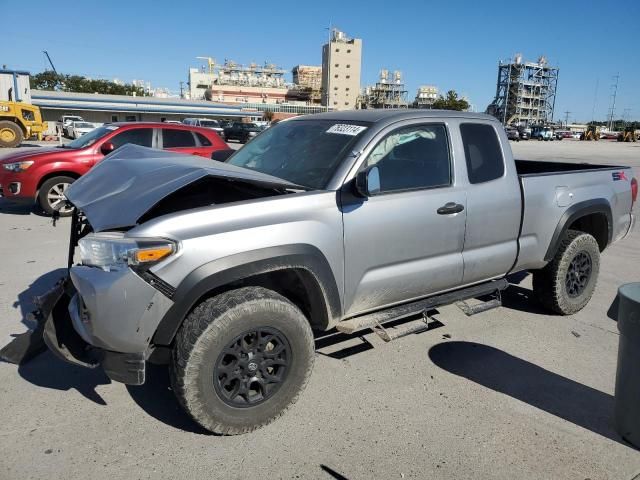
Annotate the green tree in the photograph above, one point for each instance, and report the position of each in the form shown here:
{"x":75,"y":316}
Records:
{"x":451,"y":102}
{"x":47,"y":80}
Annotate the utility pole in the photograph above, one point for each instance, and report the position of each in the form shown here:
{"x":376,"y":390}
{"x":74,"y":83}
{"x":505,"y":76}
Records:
{"x":595,"y":100}
{"x":181,"y":89}
{"x":566,"y":119}
{"x":328,"y":56}
{"x":616,"y":77}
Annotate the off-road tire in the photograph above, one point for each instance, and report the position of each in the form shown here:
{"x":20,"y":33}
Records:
{"x":209,"y":329}
{"x":549,"y":283}
{"x":7,"y":140}
{"x":43,"y":200}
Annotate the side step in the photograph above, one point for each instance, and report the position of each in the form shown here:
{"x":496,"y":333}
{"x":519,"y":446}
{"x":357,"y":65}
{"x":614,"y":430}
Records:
{"x":470,"y":310}
{"x":376,"y":319}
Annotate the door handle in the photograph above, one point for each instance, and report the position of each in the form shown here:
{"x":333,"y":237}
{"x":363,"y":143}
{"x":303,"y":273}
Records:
{"x":449,"y":208}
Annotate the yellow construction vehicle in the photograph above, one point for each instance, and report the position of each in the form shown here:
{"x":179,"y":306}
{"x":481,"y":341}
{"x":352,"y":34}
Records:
{"x":19,"y":119}
{"x":629,"y":135}
{"x":592,"y":133}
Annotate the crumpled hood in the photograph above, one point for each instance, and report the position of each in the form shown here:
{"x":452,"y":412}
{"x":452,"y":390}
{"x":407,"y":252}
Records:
{"x":129,"y":182}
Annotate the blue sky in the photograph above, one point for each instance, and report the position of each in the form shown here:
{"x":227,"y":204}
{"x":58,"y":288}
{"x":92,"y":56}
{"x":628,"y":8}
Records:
{"x":452,"y":44}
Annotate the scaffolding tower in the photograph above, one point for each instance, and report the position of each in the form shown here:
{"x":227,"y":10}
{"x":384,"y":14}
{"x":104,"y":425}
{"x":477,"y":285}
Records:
{"x":525,"y":93}
{"x":385,"y":93}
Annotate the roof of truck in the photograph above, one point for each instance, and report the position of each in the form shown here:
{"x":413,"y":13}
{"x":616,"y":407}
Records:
{"x":376,"y":115}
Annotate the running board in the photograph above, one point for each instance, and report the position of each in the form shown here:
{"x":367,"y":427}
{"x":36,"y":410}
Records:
{"x":470,"y":310}
{"x":376,"y":319}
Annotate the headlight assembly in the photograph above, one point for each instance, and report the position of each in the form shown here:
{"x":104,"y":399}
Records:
{"x":18,"y":166}
{"x":111,"y":251}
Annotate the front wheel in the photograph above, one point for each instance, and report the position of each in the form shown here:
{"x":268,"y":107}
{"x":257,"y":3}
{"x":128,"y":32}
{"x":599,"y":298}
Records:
{"x":567,"y":283}
{"x":241,"y":359}
{"x":10,"y":134}
{"x":51,"y":196}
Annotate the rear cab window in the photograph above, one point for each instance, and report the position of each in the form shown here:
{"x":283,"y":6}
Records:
{"x":482,"y":152}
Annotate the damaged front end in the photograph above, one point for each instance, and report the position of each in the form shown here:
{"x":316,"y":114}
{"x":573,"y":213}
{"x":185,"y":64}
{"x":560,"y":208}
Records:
{"x":55,"y":329}
{"x":106,"y":310}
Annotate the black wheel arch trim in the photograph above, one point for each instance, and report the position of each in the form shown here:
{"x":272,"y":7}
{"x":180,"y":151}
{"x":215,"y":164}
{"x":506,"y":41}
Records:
{"x":226,"y":270}
{"x":575,"y":212}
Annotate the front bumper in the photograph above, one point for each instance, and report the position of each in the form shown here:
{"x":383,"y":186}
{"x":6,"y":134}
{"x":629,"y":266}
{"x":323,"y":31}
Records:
{"x":64,"y":342}
{"x":96,"y":318}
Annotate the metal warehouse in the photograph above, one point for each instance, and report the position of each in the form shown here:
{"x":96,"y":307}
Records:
{"x":100,"y":108}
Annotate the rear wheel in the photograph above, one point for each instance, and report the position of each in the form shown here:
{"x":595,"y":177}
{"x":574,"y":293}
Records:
{"x":241,"y":359}
{"x":567,"y":283}
{"x":51,"y":196}
{"x":10,"y":134}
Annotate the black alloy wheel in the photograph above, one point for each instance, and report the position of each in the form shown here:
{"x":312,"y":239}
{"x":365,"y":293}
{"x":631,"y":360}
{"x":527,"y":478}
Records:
{"x":252,"y":367}
{"x":578,"y":274}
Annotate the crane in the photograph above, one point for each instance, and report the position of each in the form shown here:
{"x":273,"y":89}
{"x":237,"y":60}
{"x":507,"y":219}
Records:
{"x":50,"y":62}
{"x":210,"y":61}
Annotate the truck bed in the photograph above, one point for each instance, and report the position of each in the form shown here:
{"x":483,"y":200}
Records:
{"x":552,"y":189}
{"x":530,"y":168}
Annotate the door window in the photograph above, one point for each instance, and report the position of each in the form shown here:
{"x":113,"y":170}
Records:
{"x":137,"y":136}
{"x":482,"y":152}
{"x":413,"y":157}
{"x":177,"y":138}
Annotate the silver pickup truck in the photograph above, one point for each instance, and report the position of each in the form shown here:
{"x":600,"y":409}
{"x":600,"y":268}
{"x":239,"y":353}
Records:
{"x":341,"y":220}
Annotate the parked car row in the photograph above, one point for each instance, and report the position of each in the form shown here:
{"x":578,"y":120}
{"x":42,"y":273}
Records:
{"x":540,"y":133}
{"x":43,"y":175}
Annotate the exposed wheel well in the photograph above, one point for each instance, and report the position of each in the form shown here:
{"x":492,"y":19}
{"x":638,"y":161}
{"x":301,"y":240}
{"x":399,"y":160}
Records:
{"x":296,"y":284}
{"x":596,"y":225}
{"x":56,"y":174}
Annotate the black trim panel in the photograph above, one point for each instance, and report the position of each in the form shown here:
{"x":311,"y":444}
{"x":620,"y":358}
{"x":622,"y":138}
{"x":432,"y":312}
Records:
{"x":573,"y":213}
{"x":237,"y":267}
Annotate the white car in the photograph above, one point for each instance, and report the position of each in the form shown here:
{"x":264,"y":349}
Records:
{"x":65,"y":121}
{"x":77,"y":129}
{"x":205,"y":123}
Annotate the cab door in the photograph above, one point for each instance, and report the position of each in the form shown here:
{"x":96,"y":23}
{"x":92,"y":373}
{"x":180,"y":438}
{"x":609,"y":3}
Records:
{"x":494,"y":203}
{"x":404,"y":241}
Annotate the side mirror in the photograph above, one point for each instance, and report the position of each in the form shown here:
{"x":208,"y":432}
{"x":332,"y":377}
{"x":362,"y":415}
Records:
{"x":107,"y":148}
{"x":368,"y":181}
{"x":221,"y":155}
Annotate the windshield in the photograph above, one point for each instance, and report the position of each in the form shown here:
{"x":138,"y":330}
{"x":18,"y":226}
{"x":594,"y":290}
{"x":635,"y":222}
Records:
{"x":82,"y":125}
{"x":72,"y":119}
{"x":91,"y":137}
{"x":208,"y":123}
{"x":305,"y":152}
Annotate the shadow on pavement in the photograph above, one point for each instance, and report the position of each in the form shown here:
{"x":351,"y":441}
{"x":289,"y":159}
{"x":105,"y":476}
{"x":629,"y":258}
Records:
{"x":560,"y":396}
{"x":523,"y":300}
{"x":15,"y":208}
{"x":47,"y":371}
{"x":156,"y":398}
{"x":332,"y":472}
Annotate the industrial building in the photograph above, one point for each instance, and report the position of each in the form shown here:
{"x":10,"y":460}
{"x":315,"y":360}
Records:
{"x":525,"y":92}
{"x":252,"y":87}
{"x":388,"y":92}
{"x":231,"y":82}
{"x":341,"y":64}
{"x":426,"y":96}
{"x":308,"y":80}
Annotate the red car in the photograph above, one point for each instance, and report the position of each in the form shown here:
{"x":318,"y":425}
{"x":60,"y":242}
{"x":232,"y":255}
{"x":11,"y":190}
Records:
{"x":44,"y":174}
